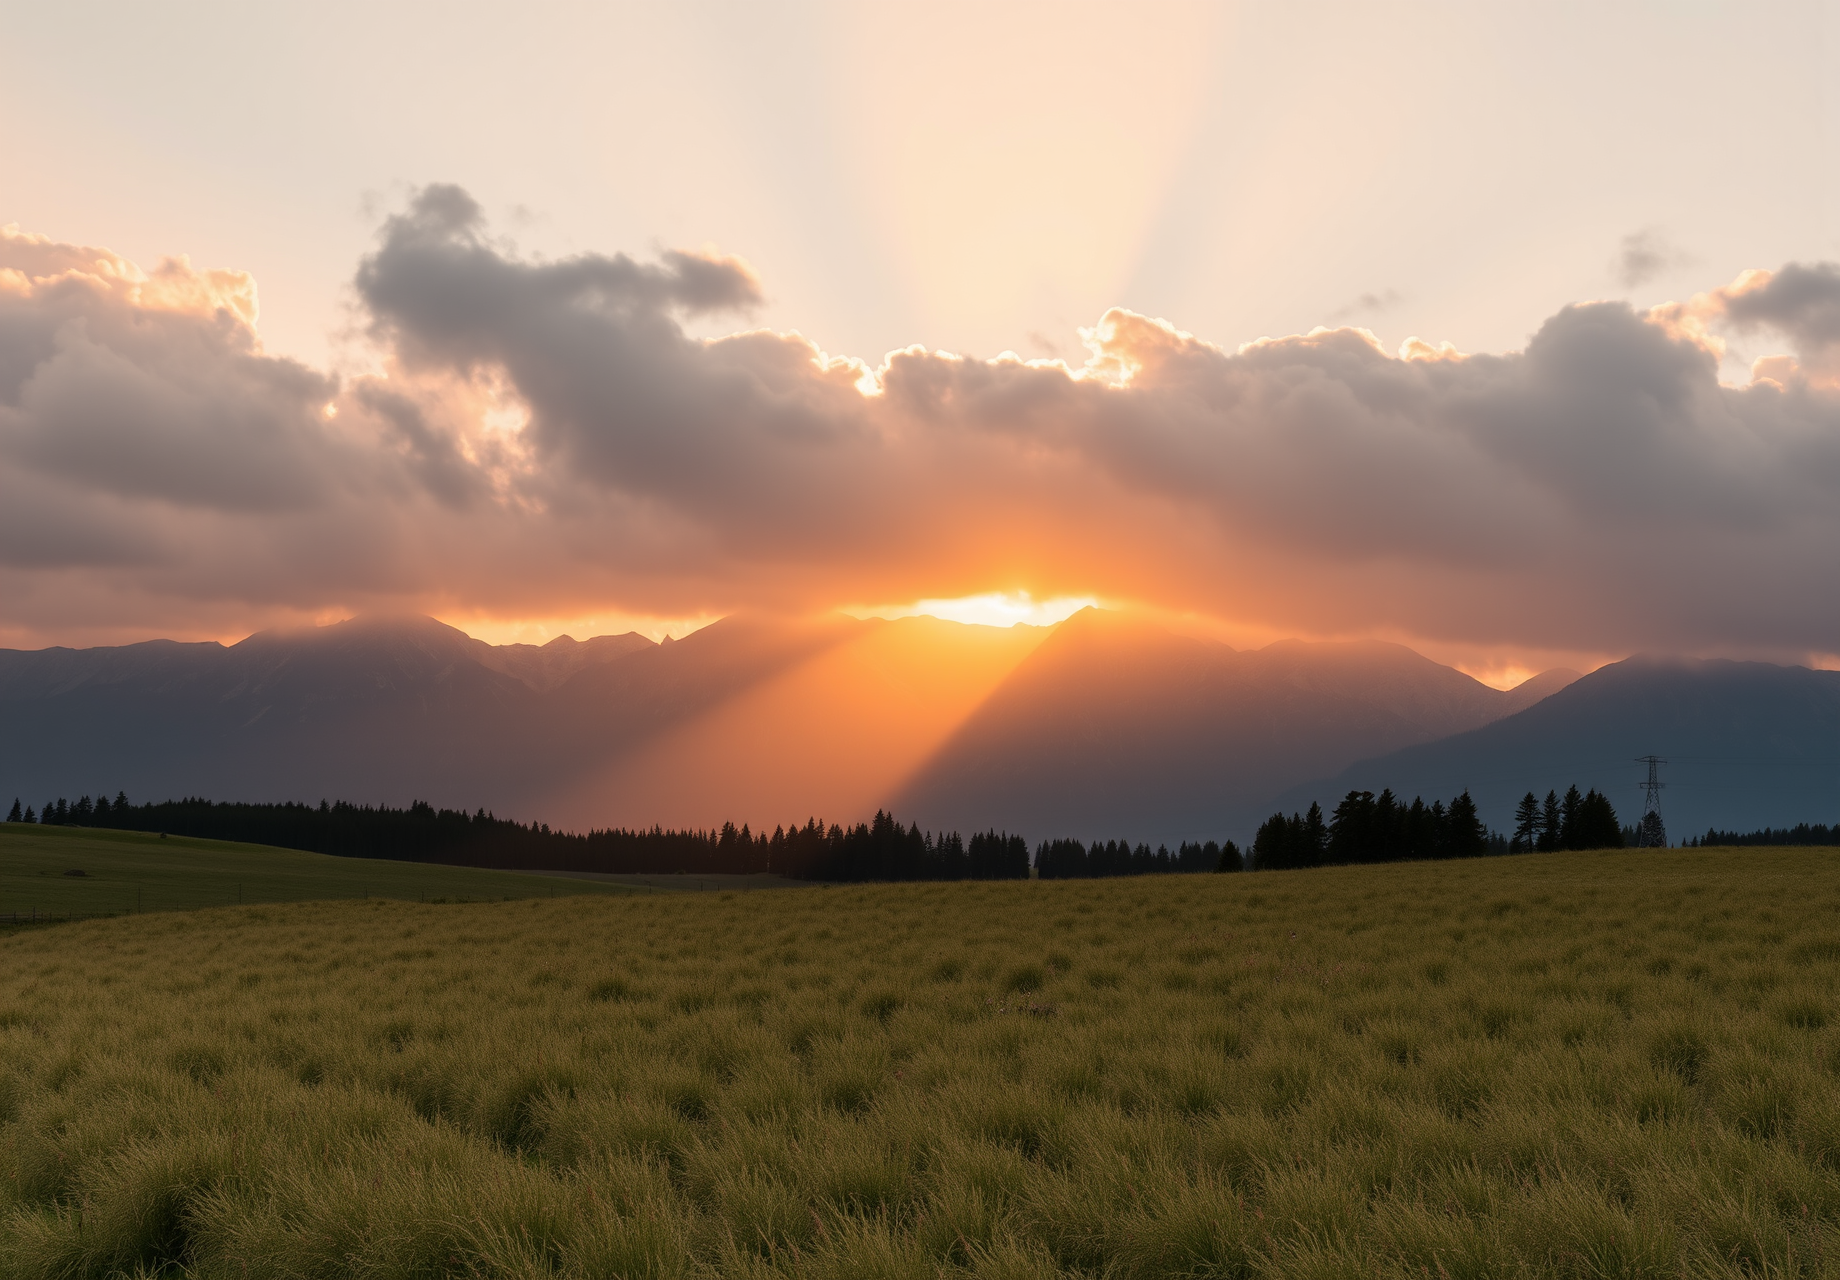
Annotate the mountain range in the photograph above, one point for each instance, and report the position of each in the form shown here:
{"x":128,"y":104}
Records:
{"x":1102,"y":726}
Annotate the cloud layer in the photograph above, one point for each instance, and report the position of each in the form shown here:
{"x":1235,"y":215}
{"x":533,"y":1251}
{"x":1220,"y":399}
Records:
{"x":546,"y":438}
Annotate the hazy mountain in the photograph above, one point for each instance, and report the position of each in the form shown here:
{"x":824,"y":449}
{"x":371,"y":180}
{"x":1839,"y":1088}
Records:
{"x":1114,"y":727}
{"x":545,"y":666}
{"x":371,"y":709}
{"x":390,"y":709}
{"x":1748,"y":745}
{"x":1102,"y":726}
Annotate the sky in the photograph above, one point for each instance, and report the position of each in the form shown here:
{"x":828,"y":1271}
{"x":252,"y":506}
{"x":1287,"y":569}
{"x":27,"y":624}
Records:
{"x":577,"y":317}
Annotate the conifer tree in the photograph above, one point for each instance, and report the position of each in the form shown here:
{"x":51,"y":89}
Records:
{"x":1314,"y":837}
{"x":1526,"y":824}
{"x":1568,"y":818}
{"x":1549,"y":823}
{"x":1467,"y":837}
{"x":1596,"y":826}
{"x":15,"y":814}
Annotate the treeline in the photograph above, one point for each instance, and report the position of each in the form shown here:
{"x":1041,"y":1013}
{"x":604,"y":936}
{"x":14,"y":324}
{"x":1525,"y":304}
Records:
{"x":881,"y":850}
{"x":878,"y":850}
{"x":1573,"y":822}
{"x":1801,"y":833}
{"x":419,"y":833}
{"x":1071,"y":860}
{"x":1370,"y":828}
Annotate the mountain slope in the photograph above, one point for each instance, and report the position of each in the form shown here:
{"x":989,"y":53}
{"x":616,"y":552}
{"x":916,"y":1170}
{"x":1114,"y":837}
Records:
{"x":371,"y":709}
{"x":1116,"y":727}
{"x":1749,"y":744}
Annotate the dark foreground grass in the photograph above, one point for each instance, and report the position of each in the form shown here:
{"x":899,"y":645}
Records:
{"x":1566,"y":1065}
{"x":126,"y":871}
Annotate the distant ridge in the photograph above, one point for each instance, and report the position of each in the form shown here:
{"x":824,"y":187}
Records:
{"x":1103,"y":727}
{"x":1749,"y":745}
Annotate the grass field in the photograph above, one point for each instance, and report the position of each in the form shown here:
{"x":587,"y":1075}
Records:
{"x":1556,"y":1065}
{"x":127,"y":871}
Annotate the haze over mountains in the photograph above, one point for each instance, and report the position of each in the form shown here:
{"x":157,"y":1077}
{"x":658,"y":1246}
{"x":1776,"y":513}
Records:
{"x":1103,"y":726}
{"x":1113,"y":726}
{"x":1748,"y":745}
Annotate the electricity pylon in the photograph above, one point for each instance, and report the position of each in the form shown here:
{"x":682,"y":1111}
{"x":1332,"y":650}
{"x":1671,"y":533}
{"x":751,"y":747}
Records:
{"x":1650,"y":832}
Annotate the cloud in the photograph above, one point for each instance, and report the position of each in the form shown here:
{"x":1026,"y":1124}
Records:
{"x":1644,"y":255}
{"x":546,"y":438}
{"x":1367,"y":304}
{"x":1800,"y":302}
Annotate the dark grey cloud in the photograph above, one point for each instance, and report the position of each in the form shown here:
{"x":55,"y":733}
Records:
{"x":1802,"y":302}
{"x":1599,"y":490}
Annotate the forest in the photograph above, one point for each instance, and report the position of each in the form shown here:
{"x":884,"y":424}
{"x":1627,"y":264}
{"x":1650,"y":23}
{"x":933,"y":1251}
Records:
{"x":1364,"y":828}
{"x":878,"y":850}
{"x":1382,"y":828}
{"x":1071,"y":860}
{"x":1570,"y":822}
{"x":1801,"y":833}
{"x":881,"y":849}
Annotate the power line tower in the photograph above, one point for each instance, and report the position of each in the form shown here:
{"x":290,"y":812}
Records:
{"x":1650,"y":832}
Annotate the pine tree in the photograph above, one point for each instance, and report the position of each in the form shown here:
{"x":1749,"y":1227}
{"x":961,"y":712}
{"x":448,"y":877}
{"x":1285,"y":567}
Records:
{"x":1526,"y":824}
{"x":1271,"y":845}
{"x":1651,"y":834}
{"x":1467,"y":837}
{"x":1597,"y":824}
{"x":1351,"y":828}
{"x":1313,"y":838}
{"x":1383,"y":828}
{"x":1549,"y":823}
{"x":1568,"y":818}
{"x":15,"y":815}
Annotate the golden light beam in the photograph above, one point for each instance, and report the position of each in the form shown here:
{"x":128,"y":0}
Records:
{"x":832,"y":738}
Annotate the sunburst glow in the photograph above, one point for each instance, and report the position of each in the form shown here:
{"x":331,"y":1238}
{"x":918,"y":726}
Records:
{"x":992,"y":609}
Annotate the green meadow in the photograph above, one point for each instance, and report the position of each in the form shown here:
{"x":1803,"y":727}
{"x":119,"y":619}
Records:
{"x":1615,"y":1064}
{"x":129,"y":871}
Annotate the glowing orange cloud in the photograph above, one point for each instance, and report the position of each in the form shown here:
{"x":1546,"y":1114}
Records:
{"x":545,"y":442}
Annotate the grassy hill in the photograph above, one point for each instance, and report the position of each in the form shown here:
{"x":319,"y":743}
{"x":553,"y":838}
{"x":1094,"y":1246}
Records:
{"x":1580,"y":1065}
{"x":126,"y":871}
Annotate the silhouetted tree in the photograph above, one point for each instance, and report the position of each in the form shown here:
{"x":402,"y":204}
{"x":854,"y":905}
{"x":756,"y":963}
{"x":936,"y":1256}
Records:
{"x":1550,"y":821}
{"x":1526,"y":824}
{"x":1650,"y":832}
{"x":1801,"y":833}
{"x":1568,"y":818}
{"x":1465,"y":837}
{"x":15,"y":814}
{"x":1595,"y":824}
